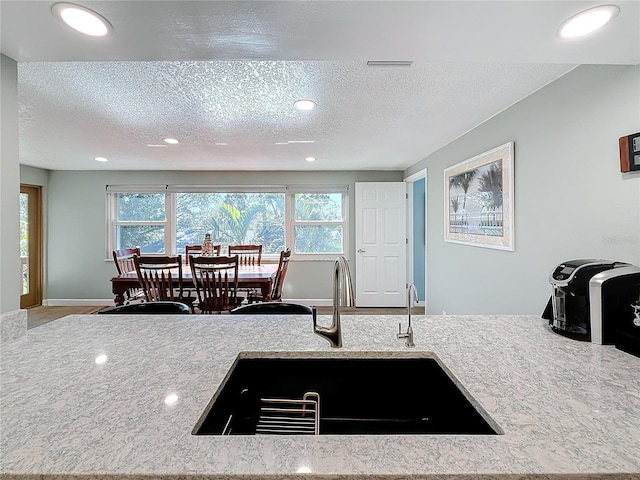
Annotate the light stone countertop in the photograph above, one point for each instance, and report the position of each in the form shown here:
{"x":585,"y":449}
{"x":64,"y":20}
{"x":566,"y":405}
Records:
{"x":568,"y":409}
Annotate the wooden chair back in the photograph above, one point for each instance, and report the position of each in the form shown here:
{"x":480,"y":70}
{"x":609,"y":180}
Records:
{"x":277,"y":278}
{"x":160,"y":277}
{"x":247,"y":254}
{"x":191,"y":250}
{"x":216,"y":281}
{"x":195,"y":250}
{"x":123,"y":259}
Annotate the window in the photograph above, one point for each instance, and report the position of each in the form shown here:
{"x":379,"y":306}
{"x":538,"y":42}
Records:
{"x":318,"y":223}
{"x":141,"y":221}
{"x":231,"y":219}
{"x":163,"y":219}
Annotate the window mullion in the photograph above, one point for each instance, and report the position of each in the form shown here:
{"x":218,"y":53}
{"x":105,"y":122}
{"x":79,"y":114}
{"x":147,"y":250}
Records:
{"x":289,"y":210}
{"x":171,"y":221}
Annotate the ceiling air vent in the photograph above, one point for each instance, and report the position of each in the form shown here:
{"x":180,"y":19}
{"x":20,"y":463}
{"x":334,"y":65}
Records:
{"x":389,"y":63}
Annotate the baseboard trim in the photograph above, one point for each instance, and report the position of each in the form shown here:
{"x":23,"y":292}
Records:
{"x":76,"y":302}
{"x":316,"y":302}
{"x":89,"y":302}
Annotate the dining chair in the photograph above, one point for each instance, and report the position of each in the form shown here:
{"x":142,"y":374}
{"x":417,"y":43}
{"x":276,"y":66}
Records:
{"x":191,"y":250}
{"x":216,"y":282}
{"x":148,"y":308}
{"x":275,"y":308}
{"x":247,"y":254}
{"x":161,"y":279}
{"x":197,"y":250}
{"x":123,"y":260}
{"x":277,"y":281}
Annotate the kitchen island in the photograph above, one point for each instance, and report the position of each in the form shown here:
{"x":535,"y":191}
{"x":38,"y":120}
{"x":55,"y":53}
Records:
{"x":118,"y":396}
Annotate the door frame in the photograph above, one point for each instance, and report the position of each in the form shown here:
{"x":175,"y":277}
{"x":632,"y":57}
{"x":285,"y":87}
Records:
{"x":34,"y":297}
{"x":420,"y":174}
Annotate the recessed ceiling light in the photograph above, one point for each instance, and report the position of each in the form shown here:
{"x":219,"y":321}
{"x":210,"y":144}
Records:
{"x":171,"y":141}
{"x":301,"y":141}
{"x":221,"y":144}
{"x":305,"y":104}
{"x":82,"y":19}
{"x":100,"y":359}
{"x":310,"y":159}
{"x":588,"y":21}
{"x":155,"y":145}
{"x":100,"y":159}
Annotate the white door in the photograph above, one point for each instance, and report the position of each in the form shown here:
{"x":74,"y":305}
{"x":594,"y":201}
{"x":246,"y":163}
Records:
{"x":381,"y":244}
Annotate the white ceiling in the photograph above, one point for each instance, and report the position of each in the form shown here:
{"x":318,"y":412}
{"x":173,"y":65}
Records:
{"x":212,"y":72}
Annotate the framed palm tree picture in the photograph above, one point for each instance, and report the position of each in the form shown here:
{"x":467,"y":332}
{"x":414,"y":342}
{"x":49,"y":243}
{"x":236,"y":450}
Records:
{"x":478,"y":203}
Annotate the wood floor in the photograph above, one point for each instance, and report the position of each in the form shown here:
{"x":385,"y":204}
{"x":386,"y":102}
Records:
{"x":37,"y":316}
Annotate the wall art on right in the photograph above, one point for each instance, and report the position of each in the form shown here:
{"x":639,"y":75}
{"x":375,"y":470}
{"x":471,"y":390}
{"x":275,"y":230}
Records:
{"x":478,"y":200}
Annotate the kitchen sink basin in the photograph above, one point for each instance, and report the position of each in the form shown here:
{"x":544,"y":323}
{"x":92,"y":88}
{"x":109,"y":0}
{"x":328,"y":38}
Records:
{"x":328,"y":394}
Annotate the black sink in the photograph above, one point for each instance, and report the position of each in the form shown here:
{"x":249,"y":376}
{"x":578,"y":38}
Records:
{"x":372,"y":395}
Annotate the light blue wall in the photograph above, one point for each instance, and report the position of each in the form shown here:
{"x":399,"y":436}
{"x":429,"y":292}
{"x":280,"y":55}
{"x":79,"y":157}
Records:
{"x":10,"y":285}
{"x":571,"y":201}
{"x":77,"y":223}
{"x":419,"y":235}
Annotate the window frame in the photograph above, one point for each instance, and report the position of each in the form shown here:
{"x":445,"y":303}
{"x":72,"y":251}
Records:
{"x":170,"y":222}
{"x":292,"y":222}
{"x":113,"y":222}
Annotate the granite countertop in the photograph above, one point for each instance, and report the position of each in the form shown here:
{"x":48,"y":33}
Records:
{"x":568,"y":409}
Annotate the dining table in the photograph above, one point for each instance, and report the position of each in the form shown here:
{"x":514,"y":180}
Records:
{"x":249,"y":276}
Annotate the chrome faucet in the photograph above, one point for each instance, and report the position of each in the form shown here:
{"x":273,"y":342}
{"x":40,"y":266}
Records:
{"x":412,"y":293}
{"x":342,"y":295}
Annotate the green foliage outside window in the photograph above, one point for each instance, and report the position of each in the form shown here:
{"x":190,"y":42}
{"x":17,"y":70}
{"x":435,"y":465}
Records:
{"x":141,"y":207}
{"x":231,"y":219}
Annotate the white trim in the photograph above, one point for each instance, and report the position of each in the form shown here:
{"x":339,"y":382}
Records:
{"x":227,"y":188}
{"x":290,"y":209}
{"x":416,"y":176}
{"x":318,"y":188}
{"x":410,"y":179}
{"x":315,"y":302}
{"x":170,"y":221}
{"x":84,"y":302}
{"x":136,"y":188}
{"x":77,"y":302}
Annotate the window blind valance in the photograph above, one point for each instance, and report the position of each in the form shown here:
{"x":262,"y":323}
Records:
{"x":136,"y":188}
{"x":227,"y":188}
{"x":318,"y":188}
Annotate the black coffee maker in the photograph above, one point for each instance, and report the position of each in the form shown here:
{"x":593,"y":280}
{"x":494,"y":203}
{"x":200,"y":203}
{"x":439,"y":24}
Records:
{"x":568,"y":308}
{"x":615,"y":304}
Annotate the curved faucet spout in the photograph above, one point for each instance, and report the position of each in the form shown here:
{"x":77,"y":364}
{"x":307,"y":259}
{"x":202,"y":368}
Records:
{"x":342,"y":295}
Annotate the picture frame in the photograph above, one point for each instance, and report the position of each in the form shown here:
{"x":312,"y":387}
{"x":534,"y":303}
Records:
{"x":478,"y":200}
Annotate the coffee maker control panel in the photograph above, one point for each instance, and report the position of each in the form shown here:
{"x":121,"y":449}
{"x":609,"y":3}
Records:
{"x":563,"y":272}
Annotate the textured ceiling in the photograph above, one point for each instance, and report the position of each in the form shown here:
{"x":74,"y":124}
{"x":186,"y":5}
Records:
{"x":222,"y":77}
